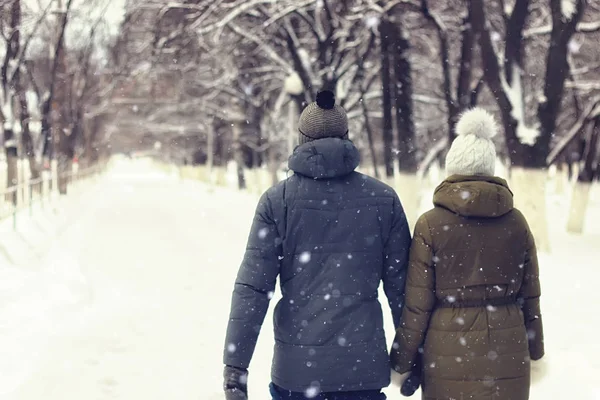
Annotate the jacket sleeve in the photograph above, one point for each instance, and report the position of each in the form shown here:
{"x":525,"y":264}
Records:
{"x":254,"y":287}
{"x":420,"y":300}
{"x":529,"y":296}
{"x":396,"y":261}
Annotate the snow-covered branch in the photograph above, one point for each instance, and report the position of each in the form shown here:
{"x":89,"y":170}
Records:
{"x":582,"y":27}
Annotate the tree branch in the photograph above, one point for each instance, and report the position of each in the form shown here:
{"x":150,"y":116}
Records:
{"x":582,"y":27}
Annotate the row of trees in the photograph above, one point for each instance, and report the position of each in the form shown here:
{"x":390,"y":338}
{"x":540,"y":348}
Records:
{"x":235,"y":74}
{"x":54,"y":83}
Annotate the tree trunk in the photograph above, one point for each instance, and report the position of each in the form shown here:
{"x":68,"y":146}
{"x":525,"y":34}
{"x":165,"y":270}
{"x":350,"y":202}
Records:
{"x":388,"y":138}
{"x":27,"y":141}
{"x":238,"y":156}
{"x":210,"y":153}
{"x":370,"y":139}
{"x":292,"y":138}
{"x":579,"y":204}
{"x":11,"y":164}
{"x":581,"y":189}
{"x":403,"y":91}
{"x":529,"y":186}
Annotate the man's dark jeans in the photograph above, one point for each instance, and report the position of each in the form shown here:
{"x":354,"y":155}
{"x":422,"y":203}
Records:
{"x":278,"y":393}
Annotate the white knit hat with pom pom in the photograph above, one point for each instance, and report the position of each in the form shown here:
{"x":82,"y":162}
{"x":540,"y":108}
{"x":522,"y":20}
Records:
{"x":473,"y":152}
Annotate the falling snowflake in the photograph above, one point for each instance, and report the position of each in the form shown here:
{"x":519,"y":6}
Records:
{"x":305,"y":257}
{"x":327,"y":296}
{"x":460,"y":320}
{"x":270,"y":295}
{"x":372,"y":21}
{"x":465,"y":195}
{"x":451,"y":299}
{"x":262,"y":233}
{"x":491,"y":308}
{"x":492,"y":355}
{"x":231,"y":348}
{"x":313,"y":391}
{"x":342,"y":341}
{"x":463,"y":341}
{"x":446,"y":228}
{"x":312,"y":352}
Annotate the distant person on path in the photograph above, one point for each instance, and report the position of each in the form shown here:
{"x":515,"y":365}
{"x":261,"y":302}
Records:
{"x":472,"y":309}
{"x":332,"y":235}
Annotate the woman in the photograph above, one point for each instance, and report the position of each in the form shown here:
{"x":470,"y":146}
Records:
{"x":472,"y":306}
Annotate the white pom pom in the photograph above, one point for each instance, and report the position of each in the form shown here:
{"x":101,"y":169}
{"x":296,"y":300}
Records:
{"x":478,"y":122}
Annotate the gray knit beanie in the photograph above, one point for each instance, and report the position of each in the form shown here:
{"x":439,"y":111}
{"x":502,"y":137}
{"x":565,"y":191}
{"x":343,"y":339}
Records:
{"x":323,"y":119}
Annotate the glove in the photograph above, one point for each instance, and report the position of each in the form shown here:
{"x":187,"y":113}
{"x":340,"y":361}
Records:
{"x":235,"y":383}
{"x":539,"y":369}
{"x":409,"y":381}
{"x":413,"y":382}
{"x":399,"y":379}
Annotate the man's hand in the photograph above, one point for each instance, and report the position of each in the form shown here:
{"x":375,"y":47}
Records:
{"x":235,"y":383}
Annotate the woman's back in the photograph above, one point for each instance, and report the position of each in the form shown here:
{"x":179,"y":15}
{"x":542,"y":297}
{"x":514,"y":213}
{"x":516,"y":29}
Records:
{"x":472,"y":293}
{"x":476,"y":342}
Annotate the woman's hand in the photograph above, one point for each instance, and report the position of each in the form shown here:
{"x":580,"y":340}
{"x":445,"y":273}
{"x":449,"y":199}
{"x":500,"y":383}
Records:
{"x":399,"y":379}
{"x":539,"y":369}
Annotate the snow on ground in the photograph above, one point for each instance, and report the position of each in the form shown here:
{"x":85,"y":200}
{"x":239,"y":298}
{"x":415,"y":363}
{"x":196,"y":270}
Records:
{"x":131,"y":300}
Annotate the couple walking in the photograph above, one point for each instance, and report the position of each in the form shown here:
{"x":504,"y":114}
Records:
{"x":463,"y":292}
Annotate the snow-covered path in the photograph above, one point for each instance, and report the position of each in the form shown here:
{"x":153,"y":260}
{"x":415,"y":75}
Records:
{"x":132,"y":301}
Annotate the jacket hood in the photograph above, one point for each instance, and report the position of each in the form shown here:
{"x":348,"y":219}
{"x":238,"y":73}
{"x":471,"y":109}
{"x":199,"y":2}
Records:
{"x":474,"y":196}
{"x":325,"y":158}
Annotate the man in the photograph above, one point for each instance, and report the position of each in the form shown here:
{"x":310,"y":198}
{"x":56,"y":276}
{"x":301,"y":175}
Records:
{"x":331,"y":235}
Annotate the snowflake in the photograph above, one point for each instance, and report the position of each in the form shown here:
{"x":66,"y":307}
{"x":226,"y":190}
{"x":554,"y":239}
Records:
{"x":231,"y":348}
{"x":262,"y":233}
{"x":372,"y":21}
{"x":313,"y":391}
{"x":305,"y":257}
